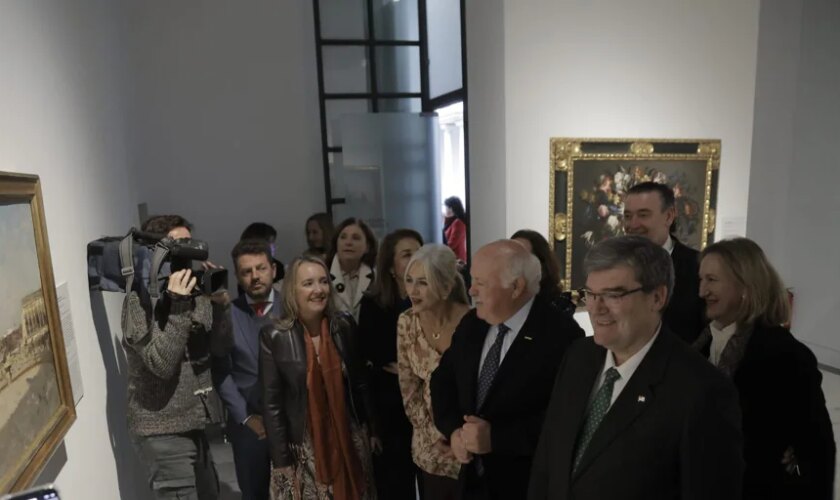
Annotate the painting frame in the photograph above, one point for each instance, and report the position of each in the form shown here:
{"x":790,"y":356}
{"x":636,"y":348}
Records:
{"x":25,"y":189}
{"x":576,"y":162}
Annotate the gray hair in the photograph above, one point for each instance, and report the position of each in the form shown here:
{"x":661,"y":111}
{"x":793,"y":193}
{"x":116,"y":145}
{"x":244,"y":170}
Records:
{"x":650,"y":263}
{"x":441,"y":267}
{"x":522,"y":265}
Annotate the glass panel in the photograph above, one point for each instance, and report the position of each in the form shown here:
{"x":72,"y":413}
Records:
{"x":398,"y":69}
{"x":408,"y":105}
{"x":343,"y":19}
{"x":345,"y":69}
{"x":391,"y":172}
{"x":335,"y":109}
{"x":444,"y":32}
{"x":396,"y":20}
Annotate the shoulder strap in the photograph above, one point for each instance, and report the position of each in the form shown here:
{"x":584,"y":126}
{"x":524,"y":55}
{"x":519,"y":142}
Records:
{"x":127,"y":260}
{"x":161,"y":251}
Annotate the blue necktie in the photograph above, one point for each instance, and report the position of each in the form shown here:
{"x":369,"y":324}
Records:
{"x":485,"y":379}
{"x":490,"y":367}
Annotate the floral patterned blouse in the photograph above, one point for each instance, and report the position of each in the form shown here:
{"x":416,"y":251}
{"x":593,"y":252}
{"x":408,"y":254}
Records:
{"x":416,"y":360}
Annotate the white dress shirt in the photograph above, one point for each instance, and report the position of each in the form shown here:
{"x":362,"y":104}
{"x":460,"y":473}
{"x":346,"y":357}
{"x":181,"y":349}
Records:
{"x":625,"y":371}
{"x":720,"y":337}
{"x":669,"y":245}
{"x":515,"y":323}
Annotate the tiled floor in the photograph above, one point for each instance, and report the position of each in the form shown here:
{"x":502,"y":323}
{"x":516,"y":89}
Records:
{"x":831,"y":389}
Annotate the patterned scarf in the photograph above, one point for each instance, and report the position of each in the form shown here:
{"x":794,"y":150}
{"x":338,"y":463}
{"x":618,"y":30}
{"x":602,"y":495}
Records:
{"x":732,"y":354}
{"x":336,"y":462}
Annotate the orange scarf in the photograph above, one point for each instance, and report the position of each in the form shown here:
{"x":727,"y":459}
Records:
{"x":336,"y":462}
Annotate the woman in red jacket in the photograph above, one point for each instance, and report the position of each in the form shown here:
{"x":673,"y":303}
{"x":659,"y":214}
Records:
{"x":455,"y":227}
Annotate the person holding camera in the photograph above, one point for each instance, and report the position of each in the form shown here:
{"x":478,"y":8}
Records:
{"x":168,"y":348}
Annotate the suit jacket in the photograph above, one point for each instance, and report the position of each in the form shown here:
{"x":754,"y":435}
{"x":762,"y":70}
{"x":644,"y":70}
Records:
{"x":516,"y":402}
{"x":674,"y":432}
{"x":783,"y":405}
{"x":341,"y":298}
{"x":236,"y":375}
{"x":685,"y":314}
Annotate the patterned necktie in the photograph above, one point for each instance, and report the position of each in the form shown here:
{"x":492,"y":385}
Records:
{"x":491,"y":366}
{"x":599,"y":408}
{"x":260,"y":308}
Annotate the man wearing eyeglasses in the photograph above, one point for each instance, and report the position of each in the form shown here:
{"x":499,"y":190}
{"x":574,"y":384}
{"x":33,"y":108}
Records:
{"x":650,"y":211}
{"x":635,"y":413}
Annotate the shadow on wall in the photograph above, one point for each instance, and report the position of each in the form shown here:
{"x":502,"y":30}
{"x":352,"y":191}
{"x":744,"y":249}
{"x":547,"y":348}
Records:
{"x":131,"y":473}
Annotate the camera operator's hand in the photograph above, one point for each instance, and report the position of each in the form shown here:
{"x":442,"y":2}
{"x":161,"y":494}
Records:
{"x":181,"y":283}
{"x":209,"y":265}
{"x":222,"y":297}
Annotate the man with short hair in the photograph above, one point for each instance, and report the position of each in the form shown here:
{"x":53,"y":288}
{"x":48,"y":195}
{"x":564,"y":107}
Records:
{"x":168,"y":352}
{"x":237,"y":374}
{"x":636,"y":413}
{"x":649,"y":211}
{"x":491,"y":388}
{"x":266,"y":232}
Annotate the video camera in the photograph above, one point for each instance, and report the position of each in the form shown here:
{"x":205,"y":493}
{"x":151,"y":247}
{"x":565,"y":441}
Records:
{"x":114,"y":263}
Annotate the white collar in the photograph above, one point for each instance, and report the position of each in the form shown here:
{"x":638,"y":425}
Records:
{"x":628,"y":367}
{"x":725,"y":332}
{"x":669,"y":245}
{"x":516,"y":321}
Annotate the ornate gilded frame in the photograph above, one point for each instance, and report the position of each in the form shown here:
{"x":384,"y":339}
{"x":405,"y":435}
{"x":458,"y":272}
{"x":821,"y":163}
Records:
{"x":40,"y":347}
{"x":679,"y":157}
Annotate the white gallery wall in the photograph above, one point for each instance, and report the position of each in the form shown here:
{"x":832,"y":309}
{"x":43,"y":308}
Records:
{"x":648,"y":68}
{"x":224,"y":116}
{"x":63,"y":117}
{"x":794,"y":208}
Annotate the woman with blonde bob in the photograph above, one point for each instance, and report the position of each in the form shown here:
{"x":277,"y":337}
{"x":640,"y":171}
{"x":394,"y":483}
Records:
{"x":788,"y":440}
{"x":315,"y":392}
{"x":438,"y":302}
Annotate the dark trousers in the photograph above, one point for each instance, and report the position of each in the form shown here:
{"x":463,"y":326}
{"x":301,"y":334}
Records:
{"x":252,"y":461}
{"x":440,"y":487}
{"x":180,"y":465}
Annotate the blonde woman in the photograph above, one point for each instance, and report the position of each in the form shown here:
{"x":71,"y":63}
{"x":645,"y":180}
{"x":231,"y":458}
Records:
{"x":788,"y":440}
{"x":315,"y":393}
{"x":438,"y":302}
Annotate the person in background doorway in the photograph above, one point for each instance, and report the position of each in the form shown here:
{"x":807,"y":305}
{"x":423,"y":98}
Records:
{"x":455,"y":228}
{"x":351,"y":260}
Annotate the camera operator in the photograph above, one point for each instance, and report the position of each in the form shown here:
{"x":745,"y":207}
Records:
{"x":169,"y":357}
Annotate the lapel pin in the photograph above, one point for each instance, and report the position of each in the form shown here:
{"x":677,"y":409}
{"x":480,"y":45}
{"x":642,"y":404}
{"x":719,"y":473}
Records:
{"x":339,"y":287}
{"x":641,"y":399}
{"x":528,"y":338}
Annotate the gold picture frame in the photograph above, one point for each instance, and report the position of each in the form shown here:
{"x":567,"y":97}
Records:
{"x":588,"y":179}
{"x":36,"y":400}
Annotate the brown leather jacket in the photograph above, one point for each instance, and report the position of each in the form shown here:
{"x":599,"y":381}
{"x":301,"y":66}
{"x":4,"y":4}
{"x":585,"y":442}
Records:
{"x":283,"y":376}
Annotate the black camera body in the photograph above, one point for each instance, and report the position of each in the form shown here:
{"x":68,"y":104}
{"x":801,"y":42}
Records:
{"x":183,"y":252}
{"x":143,"y":261}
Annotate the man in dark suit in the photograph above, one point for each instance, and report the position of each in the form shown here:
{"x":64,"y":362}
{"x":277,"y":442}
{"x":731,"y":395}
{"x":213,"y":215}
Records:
{"x":237,"y":374}
{"x":636,"y":413}
{"x":650,"y":211}
{"x":491,"y":388}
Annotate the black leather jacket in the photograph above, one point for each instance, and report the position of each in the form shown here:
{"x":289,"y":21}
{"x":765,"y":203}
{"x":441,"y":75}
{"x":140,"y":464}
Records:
{"x":283,"y":375}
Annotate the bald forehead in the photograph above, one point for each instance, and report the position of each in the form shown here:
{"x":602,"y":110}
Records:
{"x":502,"y":249}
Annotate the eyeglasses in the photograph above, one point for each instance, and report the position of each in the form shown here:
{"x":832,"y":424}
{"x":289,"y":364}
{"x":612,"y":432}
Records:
{"x":610,"y":298}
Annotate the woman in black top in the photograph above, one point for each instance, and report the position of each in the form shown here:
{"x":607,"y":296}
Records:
{"x":788,"y":440}
{"x":394,"y":469}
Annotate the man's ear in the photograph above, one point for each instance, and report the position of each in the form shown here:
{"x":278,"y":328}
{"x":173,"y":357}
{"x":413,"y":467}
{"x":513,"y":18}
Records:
{"x":519,"y":285}
{"x":670,"y":215}
{"x":273,"y":270}
{"x":660,"y":298}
